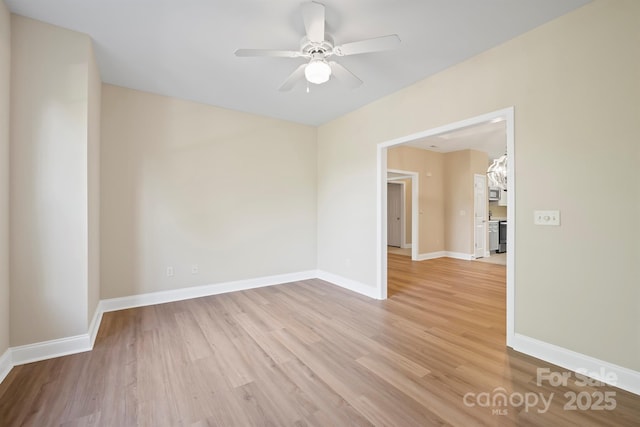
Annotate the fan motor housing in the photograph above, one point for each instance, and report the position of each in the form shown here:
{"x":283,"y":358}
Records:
{"x":309,"y":48}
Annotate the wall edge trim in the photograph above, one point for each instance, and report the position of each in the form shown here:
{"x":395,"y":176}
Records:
{"x":460,"y":255}
{"x":44,"y":350}
{"x":94,"y":326}
{"x":447,"y":254}
{"x":6,"y":364}
{"x":627,"y":379}
{"x":431,"y":255}
{"x":50,"y":349}
{"x":349,"y":284}
{"x":162,"y":297}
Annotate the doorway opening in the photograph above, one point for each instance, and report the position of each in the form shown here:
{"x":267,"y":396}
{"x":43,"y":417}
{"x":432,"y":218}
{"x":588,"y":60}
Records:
{"x":397,"y":175}
{"x":506,"y":115}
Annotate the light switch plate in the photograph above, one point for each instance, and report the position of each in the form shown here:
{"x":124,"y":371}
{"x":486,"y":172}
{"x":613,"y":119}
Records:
{"x":546,"y":217}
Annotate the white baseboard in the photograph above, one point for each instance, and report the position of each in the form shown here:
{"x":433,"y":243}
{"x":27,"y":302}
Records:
{"x":406,"y":246}
{"x":431,"y":255}
{"x":58,"y":347}
{"x":626,"y":378}
{"x":95,"y":325}
{"x":113,"y":304}
{"x":50,"y":349}
{"x":80,"y":343}
{"x":349,"y":284}
{"x":442,"y":254}
{"x":6,"y":364}
{"x":460,"y":255}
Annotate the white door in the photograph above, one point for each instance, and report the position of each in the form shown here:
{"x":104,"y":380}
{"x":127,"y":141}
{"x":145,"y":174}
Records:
{"x":479,"y":215}
{"x":394,"y":214}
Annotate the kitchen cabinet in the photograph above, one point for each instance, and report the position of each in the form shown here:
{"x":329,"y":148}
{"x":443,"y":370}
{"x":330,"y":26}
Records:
{"x":502,"y":201}
{"x":494,"y":230}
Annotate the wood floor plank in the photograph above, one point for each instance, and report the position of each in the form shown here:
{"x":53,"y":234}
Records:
{"x":259,"y":312}
{"x":307,"y":354}
{"x":195,"y":342}
{"x":413,"y":390}
{"x":272,"y":347}
{"x":331,"y":406}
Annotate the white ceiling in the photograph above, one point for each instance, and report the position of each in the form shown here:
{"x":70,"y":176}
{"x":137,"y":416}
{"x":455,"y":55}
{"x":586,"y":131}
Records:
{"x":185,"y":48}
{"x":490,"y":137}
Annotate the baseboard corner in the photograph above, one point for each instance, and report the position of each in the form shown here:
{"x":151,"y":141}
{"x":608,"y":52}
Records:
{"x":6,"y":364}
{"x":431,"y":255}
{"x":349,"y":284}
{"x":460,"y":255}
{"x":94,"y":327}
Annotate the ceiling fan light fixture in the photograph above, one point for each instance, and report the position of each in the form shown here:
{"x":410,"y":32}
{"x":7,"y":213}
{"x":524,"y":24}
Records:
{"x":318,"y":46}
{"x":317,"y":71}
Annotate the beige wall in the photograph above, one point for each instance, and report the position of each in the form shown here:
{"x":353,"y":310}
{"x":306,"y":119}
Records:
{"x":574,"y":85}
{"x":5,"y":68}
{"x":445,"y":195}
{"x":184,"y":183}
{"x":430,"y":168}
{"x":477,"y":166}
{"x":458,"y":205}
{"x":460,"y":168}
{"x":408,"y":206}
{"x":49,"y":168}
{"x":497,"y":211}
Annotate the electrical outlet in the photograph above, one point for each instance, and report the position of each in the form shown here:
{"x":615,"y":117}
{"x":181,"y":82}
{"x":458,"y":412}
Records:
{"x":546,"y":217}
{"x":194,"y":269}
{"x":169,"y":271}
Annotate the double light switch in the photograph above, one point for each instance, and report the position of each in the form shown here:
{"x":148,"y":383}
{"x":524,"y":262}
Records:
{"x":546,"y":217}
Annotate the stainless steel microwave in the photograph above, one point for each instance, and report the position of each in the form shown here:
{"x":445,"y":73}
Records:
{"x":494,"y":194}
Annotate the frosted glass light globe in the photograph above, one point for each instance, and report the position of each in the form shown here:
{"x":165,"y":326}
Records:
{"x":317,"y":71}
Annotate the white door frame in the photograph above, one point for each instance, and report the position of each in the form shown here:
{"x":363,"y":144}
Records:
{"x":506,"y":114}
{"x":415,"y":219}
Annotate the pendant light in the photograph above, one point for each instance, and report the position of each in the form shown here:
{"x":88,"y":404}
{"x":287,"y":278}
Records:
{"x":497,"y":173}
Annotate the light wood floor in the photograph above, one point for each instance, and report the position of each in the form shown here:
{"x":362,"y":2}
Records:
{"x":494,"y":259}
{"x":399,"y":251}
{"x":307,"y":353}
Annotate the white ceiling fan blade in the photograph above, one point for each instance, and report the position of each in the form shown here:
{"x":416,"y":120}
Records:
{"x":344,"y":75}
{"x":313,"y":16}
{"x":369,"y":45}
{"x":268,"y":52}
{"x":293,"y":78}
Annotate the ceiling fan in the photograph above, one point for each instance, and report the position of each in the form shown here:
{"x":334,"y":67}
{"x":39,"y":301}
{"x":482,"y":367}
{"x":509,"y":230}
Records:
{"x":317,"y":47}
